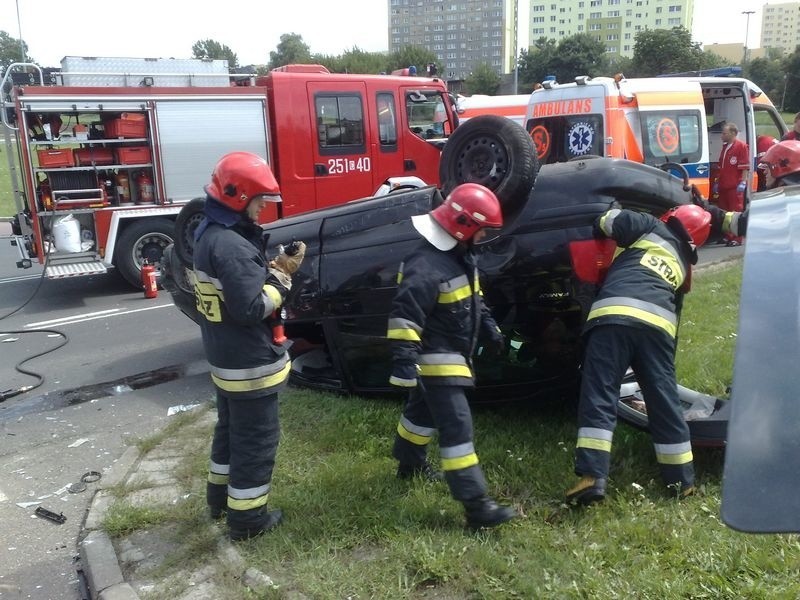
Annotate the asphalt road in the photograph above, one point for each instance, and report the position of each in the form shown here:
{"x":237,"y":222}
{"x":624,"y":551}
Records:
{"x":85,"y":413}
{"x":98,"y":396}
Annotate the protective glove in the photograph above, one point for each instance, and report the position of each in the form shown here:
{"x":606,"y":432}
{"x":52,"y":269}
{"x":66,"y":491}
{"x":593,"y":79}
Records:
{"x":290,"y":258}
{"x":279,"y":280}
{"x":697,"y":198}
{"x":741,"y":187}
{"x":404,"y":374}
{"x":495,"y":345}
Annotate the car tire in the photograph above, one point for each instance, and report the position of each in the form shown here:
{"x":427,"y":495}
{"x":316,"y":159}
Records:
{"x":495,"y":152}
{"x":144,"y":238}
{"x":185,"y":225}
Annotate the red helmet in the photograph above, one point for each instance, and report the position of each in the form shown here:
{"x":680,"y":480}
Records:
{"x":695,"y":220}
{"x":783,"y":158}
{"x":467,"y":209}
{"x":239,"y":177}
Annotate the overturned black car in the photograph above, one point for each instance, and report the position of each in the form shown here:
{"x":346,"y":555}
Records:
{"x":539,"y":277}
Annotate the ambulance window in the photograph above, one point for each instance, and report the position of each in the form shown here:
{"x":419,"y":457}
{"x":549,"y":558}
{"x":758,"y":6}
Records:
{"x":559,"y":139}
{"x":672,"y":137}
{"x":340,"y":123}
{"x":387,"y":121}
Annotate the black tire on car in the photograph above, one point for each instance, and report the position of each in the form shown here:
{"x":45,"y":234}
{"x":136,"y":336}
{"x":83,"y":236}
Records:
{"x":185,"y":225}
{"x":144,"y":238}
{"x":492,"y":151}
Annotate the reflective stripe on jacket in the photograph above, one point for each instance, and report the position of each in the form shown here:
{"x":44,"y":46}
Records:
{"x":650,"y":267}
{"x":229,"y":274}
{"x":437,"y":314}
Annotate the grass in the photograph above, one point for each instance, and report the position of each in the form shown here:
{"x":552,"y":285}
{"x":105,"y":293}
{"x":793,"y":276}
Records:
{"x":352,"y":530}
{"x":7,"y":206}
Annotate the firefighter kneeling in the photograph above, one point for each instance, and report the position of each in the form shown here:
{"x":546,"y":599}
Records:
{"x":237,"y":290}
{"x":436,"y":319}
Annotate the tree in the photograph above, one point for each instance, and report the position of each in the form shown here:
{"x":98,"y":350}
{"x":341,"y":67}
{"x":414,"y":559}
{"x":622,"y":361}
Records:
{"x":791,"y":66}
{"x":767,"y":73}
{"x":483,"y":80}
{"x":534,"y":63}
{"x":291,"y":50}
{"x":659,"y":51}
{"x":213,"y":49}
{"x":579,"y":54}
{"x":415,"y":56}
{"x":11,"y":51}
{"x":354,"y":60}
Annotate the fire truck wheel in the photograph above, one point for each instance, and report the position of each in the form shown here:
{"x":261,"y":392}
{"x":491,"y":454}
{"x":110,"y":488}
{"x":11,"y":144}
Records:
{"x":144,"y":238}
{"x":495,"y":152}
{"x":185,"y":225}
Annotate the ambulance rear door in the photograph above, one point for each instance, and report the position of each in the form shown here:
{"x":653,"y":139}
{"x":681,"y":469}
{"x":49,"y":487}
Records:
{"x":567,"y":122}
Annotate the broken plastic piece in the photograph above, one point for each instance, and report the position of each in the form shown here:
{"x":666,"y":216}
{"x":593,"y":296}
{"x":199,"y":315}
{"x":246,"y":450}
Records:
{"x":77,"y":487}
{"x":90,"y":476}
{"x":50,"y":515}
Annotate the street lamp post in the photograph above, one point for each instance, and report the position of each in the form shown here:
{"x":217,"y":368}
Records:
{"x":746,"y":34}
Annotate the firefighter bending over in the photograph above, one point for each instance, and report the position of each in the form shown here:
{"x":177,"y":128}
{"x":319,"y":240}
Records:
{"x":436,"y":319}
{"x":633,"y":322}
{"x":237,"y":291}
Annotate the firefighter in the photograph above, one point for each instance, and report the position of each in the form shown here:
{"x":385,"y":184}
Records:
{"x":782,"y":162}
{"x":633,"y":322}
{"x":436,"y":320}
{"x":237,"y":290}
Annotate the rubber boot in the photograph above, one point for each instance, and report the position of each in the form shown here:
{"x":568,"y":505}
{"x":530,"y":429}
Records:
{"x":424,"y":471}
{"x":485,"y":512}
{"x":587,"y":491}
{"x":272,"y":520}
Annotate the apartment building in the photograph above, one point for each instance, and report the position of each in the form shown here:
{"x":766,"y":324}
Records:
{"x":780,"y":26}
{"x":462,"y":33}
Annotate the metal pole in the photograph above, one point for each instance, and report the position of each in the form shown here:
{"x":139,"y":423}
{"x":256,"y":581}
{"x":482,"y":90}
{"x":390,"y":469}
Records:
{"x":21,"y":43}
{"x":746,"y":34}
{"x":516,"y":47}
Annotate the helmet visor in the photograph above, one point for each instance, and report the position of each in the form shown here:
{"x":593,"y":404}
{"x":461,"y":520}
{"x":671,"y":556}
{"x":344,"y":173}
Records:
{"x":485,"y":235}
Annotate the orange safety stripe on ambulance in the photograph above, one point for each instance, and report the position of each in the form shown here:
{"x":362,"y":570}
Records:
{"x":651,"y":120}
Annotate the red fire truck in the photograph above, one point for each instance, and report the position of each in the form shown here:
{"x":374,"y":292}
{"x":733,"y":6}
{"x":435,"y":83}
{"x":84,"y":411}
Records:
{"x":107,"y":154}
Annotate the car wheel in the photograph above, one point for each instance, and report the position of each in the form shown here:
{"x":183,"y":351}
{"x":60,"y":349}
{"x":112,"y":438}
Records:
{"x":140,"y":240}
{"x":185,"y":225}
{"x":492,"y":151}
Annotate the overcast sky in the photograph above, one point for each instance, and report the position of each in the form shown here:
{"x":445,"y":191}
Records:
{"x":252,"y":28}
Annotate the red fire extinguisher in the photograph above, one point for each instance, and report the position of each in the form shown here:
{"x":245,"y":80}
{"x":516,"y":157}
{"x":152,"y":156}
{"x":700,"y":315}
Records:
{"x":149,"y":280}
{"x":144,"y":184}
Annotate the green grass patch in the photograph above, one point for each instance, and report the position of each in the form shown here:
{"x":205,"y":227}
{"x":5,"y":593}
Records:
{"x":352,"y":530}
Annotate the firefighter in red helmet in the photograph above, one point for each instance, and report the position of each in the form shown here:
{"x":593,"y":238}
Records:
{"x":237,"y":289}
{"x":436,"y":321}
{"x":633,"y":321}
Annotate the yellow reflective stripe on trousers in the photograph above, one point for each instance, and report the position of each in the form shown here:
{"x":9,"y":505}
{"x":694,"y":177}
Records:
{"x":417,"y":438}
{"x":674,"y":454}
{"x":594,"y":438}
{"x":218,"y":479}
{"x":458,"y":457}
{"x":249,"y":498}
{"x":250,"y":385}
{"x":444,"y":370}
{"x":247,"y":504}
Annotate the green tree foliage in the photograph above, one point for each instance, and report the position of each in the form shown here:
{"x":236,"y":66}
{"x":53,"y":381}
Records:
{"x":354,"y":60}
{"x":213,"y":49}
{"x":534,"y":64}
{"x":791,"y":68}
{"x":579,"y":54}
{"x":767,"y":73}
{"x":11,"y":51}
{"x":291,"y":50}
{"x":483,"y":80}
{"x":417,"y":56}
{"x":659,"y":51}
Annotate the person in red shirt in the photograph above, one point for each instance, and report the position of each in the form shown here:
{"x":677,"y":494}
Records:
{"x":733,"y":175}
{"x":763,"y":143}
{"x":794,"y":133}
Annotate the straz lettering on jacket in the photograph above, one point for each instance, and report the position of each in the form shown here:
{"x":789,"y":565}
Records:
{"x":208,"y":296}
{"x":660,"y":257}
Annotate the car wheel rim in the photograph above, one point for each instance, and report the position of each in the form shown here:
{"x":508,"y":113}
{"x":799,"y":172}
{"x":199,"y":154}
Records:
{"x":483,"y":161}
{"x":151,"y":247}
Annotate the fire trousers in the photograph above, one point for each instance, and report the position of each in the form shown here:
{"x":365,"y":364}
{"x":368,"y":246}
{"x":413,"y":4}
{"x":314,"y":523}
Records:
{"x":444,"y":408}
{"x":242,"y":458}
{"x":651,"y":353}
{"x":731,"y":201}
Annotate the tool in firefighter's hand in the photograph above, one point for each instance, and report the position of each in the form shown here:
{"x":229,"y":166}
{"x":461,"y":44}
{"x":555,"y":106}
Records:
{"x":289,"y":257}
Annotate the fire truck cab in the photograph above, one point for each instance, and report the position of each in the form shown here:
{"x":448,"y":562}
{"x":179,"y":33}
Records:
{"x":650,"y":120}
{"x":108,"y":152}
